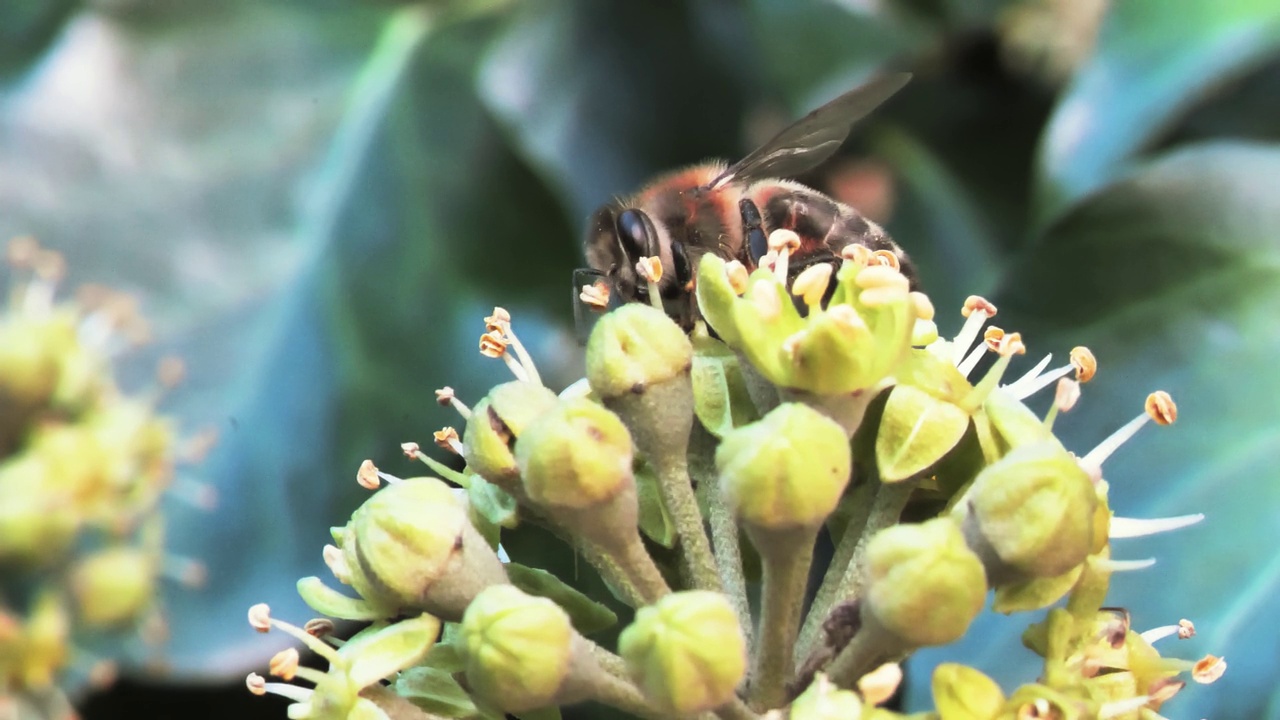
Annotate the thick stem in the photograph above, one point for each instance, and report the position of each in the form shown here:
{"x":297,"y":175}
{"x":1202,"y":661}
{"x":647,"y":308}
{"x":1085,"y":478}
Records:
{"x":869,"y":649}
{"x":828,"y":592}
{"x":786,"y":556}
{"x":682,"y":504}
{"x":628,"y":569}
{"x":660,"y":419}
{"x":619,"y":693}
{"x":735,"y":710}
{"x":724,"y":527}
{"x":884,"y":512}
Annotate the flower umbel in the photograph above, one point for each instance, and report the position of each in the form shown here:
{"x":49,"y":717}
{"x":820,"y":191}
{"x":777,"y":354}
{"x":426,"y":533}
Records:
{"x":820,"y":403}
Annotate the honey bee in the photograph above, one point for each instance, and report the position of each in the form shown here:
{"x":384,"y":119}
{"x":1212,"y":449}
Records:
{"x":730,"y":210}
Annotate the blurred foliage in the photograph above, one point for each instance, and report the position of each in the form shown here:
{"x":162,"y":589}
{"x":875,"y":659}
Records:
{"x":320,"y":200}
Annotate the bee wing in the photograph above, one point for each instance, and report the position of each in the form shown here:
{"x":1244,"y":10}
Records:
{"x":814,"y":137}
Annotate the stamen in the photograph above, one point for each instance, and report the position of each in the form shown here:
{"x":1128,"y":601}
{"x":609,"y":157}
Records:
{"x":20,"y":253}
{"x":284,"y":664}
{"x":969,"y":362}
{"x":187,"y":572}
{"x":792,"y":343}
{"x":880,"y":684}
{"x":1184,"y":630}
{"x":1133,"y":527}
{"x":1115,"y":566}
{"x":886,"y":258}
{"x":650,"y":268}
{"x":320,"y":627}
{"x":1208,"y":669}
{"x":500,"y":323}
{"x":447,"y":438}
{"x":1159,"y":407}
{"x":1029,"y":376}
{"x":260,"y":619}
{"x":259,"y":686}
{"x":1065,"y":397}
{"x":197,"y":494}
{"x":811,"y":284}
{"x":1163,"y":690}
{"x":847,"y":315}
{"x":1085,"y":363}
{"x":595,"y":296}
{"x":976,"y":311}
{"x":367,"y":476}
{"x":881,"y":285}
{"x":493,"y":345}
{"x":170,"y":371}
{"x":922,"y":306}
{"x":784,"y":242}
{"x":446,"y":398}
{"x":1116,"y":708}
{"x":856,"y":254}
{"x":336,"y":561}
{"x":765,"y":298}
{"x":737,"y":274}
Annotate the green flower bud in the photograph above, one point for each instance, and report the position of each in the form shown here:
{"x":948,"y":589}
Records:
{"x":924,"y":584}
{"x":518,"y":649}
{"x":37,"y":524}
{"x":31,"y":353}
{"x":1035,"y":593}
{"x":578,"y":454}
{"x":963,"y":693}
{"x":686,"y":652}
{"x":822,"y":700}
{"x":786,"y":470}
{"x":114,"y":586}
{"x":496,"y":422}
{"x":1030,"y":514}
{"x":633,"y":348}
{"x":415,"y":547}
{"x":46,"y":642}
{"x":916,"y":431}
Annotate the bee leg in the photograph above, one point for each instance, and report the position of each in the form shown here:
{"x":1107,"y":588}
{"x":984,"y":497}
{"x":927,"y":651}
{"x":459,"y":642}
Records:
{"x":753,"y":236}
{"x":683,"y":268}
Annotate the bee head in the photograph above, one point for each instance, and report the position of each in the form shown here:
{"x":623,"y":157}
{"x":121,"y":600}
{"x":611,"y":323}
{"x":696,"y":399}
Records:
{"x":617,"y":237}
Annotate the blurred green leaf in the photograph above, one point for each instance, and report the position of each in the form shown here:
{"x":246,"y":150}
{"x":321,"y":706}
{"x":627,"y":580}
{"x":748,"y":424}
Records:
{"x":1151,"y":64}
{"x":588,"y":616}
{"x":1172,"y":276}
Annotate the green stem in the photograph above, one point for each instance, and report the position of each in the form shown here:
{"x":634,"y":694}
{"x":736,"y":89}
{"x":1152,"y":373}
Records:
{"x":868,"y":650}
{"x":885,"y":511}
{"x":724,"y":527}
{"x":619,"y":693}
{"x":678,"y":496}
{"x":628,"y":569}
{"x":786,"y":556}
{"x":735,"y":710}
{"x":860,"y":500}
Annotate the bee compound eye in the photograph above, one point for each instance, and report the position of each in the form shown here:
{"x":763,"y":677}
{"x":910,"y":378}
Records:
{"x":637,"y":234}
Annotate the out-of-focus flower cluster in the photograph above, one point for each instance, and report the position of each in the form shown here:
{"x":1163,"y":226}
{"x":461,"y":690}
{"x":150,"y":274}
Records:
{"x":83,"y":469}
{"x":687,"y":469}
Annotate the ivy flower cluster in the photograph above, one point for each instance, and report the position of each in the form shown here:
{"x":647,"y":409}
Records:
{"x":696,"y":473}
{"x":83,"y":470}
